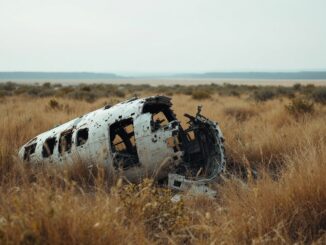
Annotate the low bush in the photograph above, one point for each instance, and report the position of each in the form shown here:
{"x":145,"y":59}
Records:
{"x":83,"y":95}
{"x":297,"y":86}
{"x":319,"y":95}
{"x":239,"y":113}
{"x":120,"y":93}
{"x":300,"y":106}
{"x":264,"y":95}
{"x":146,"y":202}
{"x":234,"y":93}
{"x":308,"y":89}
{"x":46,"y":93}
{"x":285,"y":91}
{"x":54,"y":104}
{"x":86,"y":88}
{"x":46,"y":85}
{"x":4,"y":93}
{"x":9,"y":86}
{"x":201,"y":94}
{"x":35,"y":91}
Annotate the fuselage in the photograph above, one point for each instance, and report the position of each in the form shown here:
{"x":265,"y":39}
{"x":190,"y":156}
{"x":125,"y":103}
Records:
{"x":137,"y":136}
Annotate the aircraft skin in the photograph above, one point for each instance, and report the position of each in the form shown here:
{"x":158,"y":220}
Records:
{"x":127,"y":137}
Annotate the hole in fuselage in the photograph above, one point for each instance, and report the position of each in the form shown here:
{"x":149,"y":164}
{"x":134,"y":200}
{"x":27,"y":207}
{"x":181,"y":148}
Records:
{"x":48,"y":147}
{"x":123,"y":144}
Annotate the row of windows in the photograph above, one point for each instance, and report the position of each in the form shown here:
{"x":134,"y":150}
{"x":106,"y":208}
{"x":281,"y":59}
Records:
{"x":121,"y":135}
{"x":65,"y":143}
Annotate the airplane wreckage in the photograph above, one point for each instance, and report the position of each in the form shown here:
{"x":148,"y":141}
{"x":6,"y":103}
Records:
{"x":138,"y":138}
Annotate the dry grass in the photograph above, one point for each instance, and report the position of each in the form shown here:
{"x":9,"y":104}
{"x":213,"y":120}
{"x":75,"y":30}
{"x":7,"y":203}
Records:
{"x":286,"y":203}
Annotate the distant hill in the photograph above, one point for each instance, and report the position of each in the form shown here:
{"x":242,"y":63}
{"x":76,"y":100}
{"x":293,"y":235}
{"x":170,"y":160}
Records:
{"x":310,"y":75}
{"x":56,"y":75}
{"x":305,"y":75}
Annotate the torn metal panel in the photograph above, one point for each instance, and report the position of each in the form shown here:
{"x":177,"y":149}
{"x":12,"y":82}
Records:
{"x":141,"y":138}
{"x":180,"y":183}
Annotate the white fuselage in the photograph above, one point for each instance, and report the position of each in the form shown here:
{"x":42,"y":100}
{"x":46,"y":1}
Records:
{"x":142,"y":137}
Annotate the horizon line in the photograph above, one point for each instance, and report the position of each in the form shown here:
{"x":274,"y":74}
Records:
{"x":167,"y":72}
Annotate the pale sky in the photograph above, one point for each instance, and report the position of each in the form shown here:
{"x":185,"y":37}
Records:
{"x":162,"y":35}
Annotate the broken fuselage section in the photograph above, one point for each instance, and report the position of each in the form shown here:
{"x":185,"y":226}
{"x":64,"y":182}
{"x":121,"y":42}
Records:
{"x":138,"y":138}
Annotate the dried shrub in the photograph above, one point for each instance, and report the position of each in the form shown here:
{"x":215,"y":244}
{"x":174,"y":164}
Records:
{"x":300,"y":106}
{"x":240,"y":113}
{"x":83,"y":95}
{"x":167,"y":90}
{"x":187,"y":90}
{"x":21,"y":90}
{"x":55,"y":105}
{"x":264,"y":95}
{"x":86,"y":88}
{"x":46,"y":85}
{"x":200,"y":94}
{"x":9,"y":86}
{"x":234,"y":93}
{"x":297,"y":86}
{"x":47,"y":93}
{"x":120,"y":93}
{"x":319,"y":95}
{"x":65,"y":90}
{"x":285,"y":91}
{"x":4,"y":93}
{"x":308,"y":89}
{"x":35,"y":91}
{"x":153,"y":205}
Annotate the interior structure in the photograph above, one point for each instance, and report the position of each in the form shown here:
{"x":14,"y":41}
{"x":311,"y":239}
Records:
{"x":29,"y":150}
{"x":65,"y":141}
{"x":199,"y":142}
{"x":123,"y":144}
{"x":81,"y":136}
{"x":48,"y":147}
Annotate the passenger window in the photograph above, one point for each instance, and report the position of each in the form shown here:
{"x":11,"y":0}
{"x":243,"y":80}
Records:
{"x":29,"y":150}
{"x":161,"y":115}
{"x":159,"y":120}
{"x":123,"y":144}
{"x":48,"y":147}
{"x":118,"y":144}
{"x":65,"y":141}
{"x":82,"y":136}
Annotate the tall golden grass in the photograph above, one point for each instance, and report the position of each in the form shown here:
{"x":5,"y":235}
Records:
{"x":274,"y":190}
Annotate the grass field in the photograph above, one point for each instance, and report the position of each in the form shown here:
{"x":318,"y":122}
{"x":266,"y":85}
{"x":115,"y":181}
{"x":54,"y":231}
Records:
{"x":273,"y":192}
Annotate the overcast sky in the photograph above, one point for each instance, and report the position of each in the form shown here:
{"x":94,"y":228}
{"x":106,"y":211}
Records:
{"x":162,"y":35}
